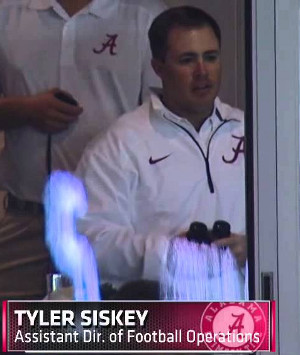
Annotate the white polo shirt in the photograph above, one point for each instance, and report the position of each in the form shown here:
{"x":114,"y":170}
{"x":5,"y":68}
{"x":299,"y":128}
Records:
{"x":100,"y":55}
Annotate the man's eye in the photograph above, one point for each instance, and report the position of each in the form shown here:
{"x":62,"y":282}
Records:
{"x":186,"y":60}
{"x":211,"y":57}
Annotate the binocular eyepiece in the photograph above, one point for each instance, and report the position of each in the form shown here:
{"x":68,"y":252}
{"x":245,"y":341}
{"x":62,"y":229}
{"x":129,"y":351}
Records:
{"x":199,"y":233}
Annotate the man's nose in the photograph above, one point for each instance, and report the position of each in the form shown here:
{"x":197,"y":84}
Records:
{"x":200,"y":68}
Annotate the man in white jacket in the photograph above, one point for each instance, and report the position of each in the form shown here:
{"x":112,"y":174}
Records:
{"x":176,"y":159}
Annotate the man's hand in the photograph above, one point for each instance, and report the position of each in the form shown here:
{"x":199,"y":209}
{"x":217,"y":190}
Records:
{"x":238,"y":246}
{"x":236,"y":242}
{"x":48,"y":114}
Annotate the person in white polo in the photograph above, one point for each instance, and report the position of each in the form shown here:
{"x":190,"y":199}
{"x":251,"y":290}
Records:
{"x":176,"y":159}
{"x":92,"y":51}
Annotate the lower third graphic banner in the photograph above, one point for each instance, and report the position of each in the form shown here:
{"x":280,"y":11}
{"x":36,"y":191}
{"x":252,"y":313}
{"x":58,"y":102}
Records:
{"x":138,"y":326}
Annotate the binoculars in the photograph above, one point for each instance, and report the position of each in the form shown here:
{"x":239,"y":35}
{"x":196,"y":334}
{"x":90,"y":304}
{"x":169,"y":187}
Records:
{"x":199,"y":233}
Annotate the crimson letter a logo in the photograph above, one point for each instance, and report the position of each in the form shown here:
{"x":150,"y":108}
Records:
{"x":110,"y":45}
{"x":239,"y":149}
{"x":238,"y":323}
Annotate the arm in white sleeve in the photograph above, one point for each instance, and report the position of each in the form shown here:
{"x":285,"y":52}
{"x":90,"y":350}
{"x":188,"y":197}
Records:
{"x":122,"y":254}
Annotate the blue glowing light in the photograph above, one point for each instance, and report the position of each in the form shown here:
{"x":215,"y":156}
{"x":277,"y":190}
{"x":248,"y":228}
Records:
{"x":65,"y":200}
{"x":201,"y":272}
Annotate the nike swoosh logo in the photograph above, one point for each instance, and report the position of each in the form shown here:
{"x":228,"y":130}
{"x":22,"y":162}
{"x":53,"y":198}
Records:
{"x":154,"y":161}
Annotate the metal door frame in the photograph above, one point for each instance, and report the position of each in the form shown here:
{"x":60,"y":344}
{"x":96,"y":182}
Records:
{"x":274,"y":176}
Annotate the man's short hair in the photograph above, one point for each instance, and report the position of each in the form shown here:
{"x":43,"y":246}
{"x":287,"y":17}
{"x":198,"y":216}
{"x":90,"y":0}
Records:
{"x":182,"y":16}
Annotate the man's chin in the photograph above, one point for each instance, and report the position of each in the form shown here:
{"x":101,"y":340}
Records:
{"x":203,"y":104}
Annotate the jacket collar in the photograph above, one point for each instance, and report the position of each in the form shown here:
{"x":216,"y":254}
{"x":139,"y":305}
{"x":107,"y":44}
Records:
{"x":213,"y":121}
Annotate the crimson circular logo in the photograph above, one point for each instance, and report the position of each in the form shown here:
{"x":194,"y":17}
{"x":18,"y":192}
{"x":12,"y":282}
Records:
{"x":233,"y":326}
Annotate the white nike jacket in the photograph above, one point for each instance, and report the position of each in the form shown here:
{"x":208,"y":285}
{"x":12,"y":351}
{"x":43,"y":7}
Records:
{"x":150,"y":176}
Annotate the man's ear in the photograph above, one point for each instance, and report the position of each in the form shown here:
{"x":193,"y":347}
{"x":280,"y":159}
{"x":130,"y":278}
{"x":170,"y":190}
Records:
{"x":157,"y":66}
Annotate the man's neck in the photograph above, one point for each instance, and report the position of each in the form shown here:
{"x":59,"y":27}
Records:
{"x":73,"y":6}
{"x":195,"y":118}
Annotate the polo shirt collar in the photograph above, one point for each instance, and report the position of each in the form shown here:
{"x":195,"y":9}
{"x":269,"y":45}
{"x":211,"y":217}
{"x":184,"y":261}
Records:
{"x":96,"y":7}
{"x":40,"y":4}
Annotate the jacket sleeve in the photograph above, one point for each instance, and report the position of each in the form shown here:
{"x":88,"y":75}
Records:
{"x":122,"y":254}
